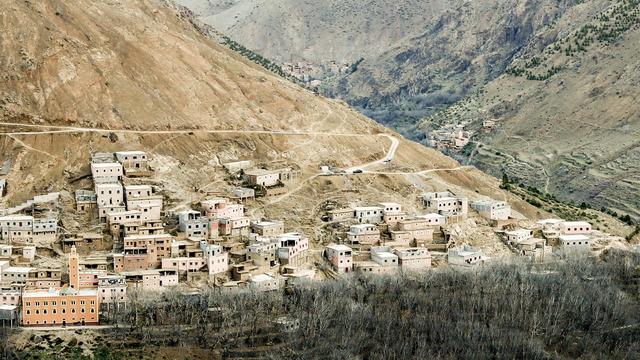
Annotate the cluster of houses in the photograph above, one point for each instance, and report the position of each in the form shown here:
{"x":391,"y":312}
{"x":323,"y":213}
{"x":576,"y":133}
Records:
{"x":141,"y":246}
{"x":450,"y":136}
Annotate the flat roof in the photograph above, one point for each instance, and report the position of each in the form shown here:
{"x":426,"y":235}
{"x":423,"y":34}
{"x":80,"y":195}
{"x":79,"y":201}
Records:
{"x":16,"y":217}
{"x":258,"y":172}
{"x":131,"y":152}
{"x":576,"y":223}
{"x":365,"y":208}
{"x":339,"y":247}
{"x":366,"y":263}
{"x":431,"y":216}
{"x":268,"y":223}
{"x":137,"y":186}
{"x":109,"y":185}
{"x":58,"y":292}
{"x":573,"y":237}
{"x":18,"y":269}
{"x":385,"y":254}
{"x":261,"y":277}
{"x":106,"y":164}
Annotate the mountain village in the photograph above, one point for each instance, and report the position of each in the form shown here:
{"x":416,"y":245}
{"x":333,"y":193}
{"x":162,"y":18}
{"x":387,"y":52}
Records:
{"x":132,"y":243}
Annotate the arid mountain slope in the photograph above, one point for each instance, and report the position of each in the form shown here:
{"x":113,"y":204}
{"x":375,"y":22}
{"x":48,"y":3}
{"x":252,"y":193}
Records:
{"x":110,"y":75}
{"x":567,"y":113}
{"x":318,"y":31}
{"x":417,"y":55}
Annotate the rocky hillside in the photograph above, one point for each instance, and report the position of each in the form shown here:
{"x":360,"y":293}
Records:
{"x":412,"y":57}
{"x":566,"y":112}
{"x":113,"y":75}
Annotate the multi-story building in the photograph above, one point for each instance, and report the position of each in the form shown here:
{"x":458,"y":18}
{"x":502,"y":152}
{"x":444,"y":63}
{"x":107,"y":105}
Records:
{"x":184,"y":264}
{"x":493,"y":210}
{"x":341,"y":214}
{"x":340,"y":257}
{"x":574,"y":227}
{"x":292,"y":249}
{"x":151,"y":280}
{"x":445,"y":203}
{"x":413,"y":258}
{"x":574,"y":244}
{"x":264,"y":282}
{"x":516,"y":236}
{"x":86,"y":201}
{"x":112,"y":290}
{"x":234,"y":227}
{"x":217,"y":259}
{"x":45,"y":230}
{"x":263,"y":253}
{"x":221,"y":208}
{"x":16,"y":274}
{"x":363,"y":234}
{"x":465,"y":256}
{"x":262,"y":177}
{"x":105,"y":173}
{"x":16,"y":228}
{"x":415,"y":230}
{"x":135,"y":160}
{"x":44,"y":278}
{"x":434,"y":219}
{"x":383,"y":256}
{"x":65,"y":306}
{"x":150,"y":206}
{"x":193,"y":224}
{"x":369,"y":214}
{"x":268,"y":228}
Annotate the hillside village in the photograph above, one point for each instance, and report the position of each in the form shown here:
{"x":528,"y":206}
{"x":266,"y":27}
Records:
{"x":130,"y":242}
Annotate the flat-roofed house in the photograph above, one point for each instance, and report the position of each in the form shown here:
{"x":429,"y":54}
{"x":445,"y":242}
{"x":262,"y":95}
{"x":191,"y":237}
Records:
{"x":108,"y":172}
{"x":109,"y":195}
{"x":574,"y":244}
{"x":414,"y":230}
{"x":434,"y":219}
{"x":384,"y":256}
{"x":574,"y":227}
{"x":516,"y":236}
{"x":363,"y":234}
{"x":341,"y":214}
{"x":262,"y":177}
{"x":193,"y":224}
{"x":340,"y":256}
{"x":217,"y":258}
{"x":44,"y":278}
{"x":133,"y":159}
{"x":369,"y":214}
{"x":16,"y":228}
{"x":268,"y":227}
{"x":293,"y":249}
{"x":112,"y":290}
{"x":445,"y":203}
{"x":264,"y":282}
{"x":234,"y":227}
{"x":151,"y":279}
{"x":413,"y":258}
{"x":222,"y":208}
{"x":86,"y":201}
{"x":492,"y":209}
{"x":465,"y":256}
{"x":150,"y":206}
{"x":61,"y":306}
{"x":263,"y":253}
{"x":45,"y":230}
